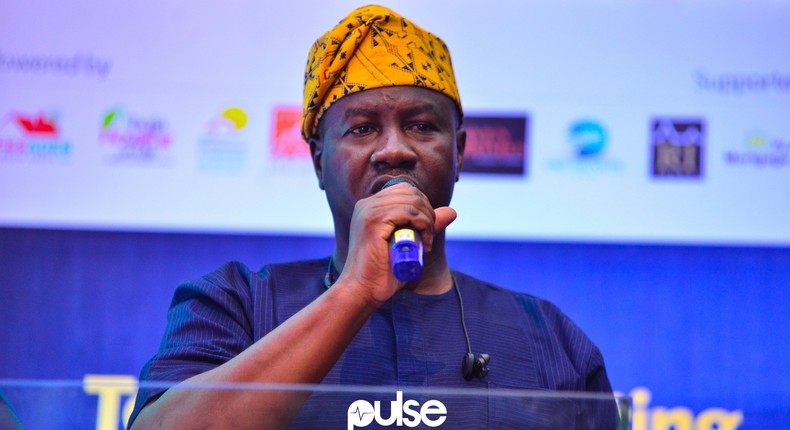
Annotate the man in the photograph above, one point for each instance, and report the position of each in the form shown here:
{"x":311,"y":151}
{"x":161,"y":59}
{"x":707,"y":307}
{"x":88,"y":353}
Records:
{"x":380,"y":103}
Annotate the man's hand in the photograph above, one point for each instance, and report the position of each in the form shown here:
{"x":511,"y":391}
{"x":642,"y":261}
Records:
{"x":367,"y":267}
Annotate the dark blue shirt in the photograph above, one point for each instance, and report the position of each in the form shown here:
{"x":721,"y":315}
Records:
{"x":413,"y":340}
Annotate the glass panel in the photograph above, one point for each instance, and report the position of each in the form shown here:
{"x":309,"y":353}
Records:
{"x":105,"y":403}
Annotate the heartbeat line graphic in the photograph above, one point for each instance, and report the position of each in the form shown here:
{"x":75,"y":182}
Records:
{"x":359,"y":413}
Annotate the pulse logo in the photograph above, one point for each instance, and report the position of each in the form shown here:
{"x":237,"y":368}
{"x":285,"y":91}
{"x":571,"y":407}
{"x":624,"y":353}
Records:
{"x":677,"y":147}
{"x":432,"y":413}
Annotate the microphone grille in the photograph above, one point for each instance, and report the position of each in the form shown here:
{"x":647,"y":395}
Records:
{"x":397,"y":180}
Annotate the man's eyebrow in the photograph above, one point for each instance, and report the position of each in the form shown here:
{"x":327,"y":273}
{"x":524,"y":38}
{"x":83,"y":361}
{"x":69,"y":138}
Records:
{"x":352,"y":112}
{"x":437,"y":112}
{"x":425,"y":108}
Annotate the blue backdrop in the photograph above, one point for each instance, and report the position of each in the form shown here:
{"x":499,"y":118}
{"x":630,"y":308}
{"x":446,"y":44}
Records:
{"x":697,"y":327}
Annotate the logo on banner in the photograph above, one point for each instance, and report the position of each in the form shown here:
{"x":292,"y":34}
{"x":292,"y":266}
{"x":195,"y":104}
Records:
{"x":588,"y":138}
{"x":760,"y":150}
{"x":496,"y":145}
{"x":287,"y":142}
{"x":223,"y":149}
{"x":588,"y":141}
{"x":432,"y":413}
{"x":677,"y":147}
{"x":32,"y":138}
{"x":134,"y":139}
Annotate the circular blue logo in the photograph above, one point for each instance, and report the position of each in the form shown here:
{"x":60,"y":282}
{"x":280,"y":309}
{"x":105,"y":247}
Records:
{"x":588,"y":137}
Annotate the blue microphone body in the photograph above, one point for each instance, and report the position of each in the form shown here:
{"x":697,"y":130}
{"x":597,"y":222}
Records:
{"x":406,"y":249}
{"x":406,"y":255}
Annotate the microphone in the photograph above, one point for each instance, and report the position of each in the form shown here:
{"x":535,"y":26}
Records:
{"x":405,"y":247}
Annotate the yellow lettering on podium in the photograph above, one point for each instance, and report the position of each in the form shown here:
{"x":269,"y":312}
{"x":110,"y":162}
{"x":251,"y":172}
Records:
{"x":678,"y":418}
{"x":111,"y":389}
{"x":645,"y":417}
{"x":719,"y":419}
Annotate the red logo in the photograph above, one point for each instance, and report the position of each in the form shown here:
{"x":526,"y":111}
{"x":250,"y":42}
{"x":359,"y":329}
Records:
{"x":31,"y":137}
{"x":287,"y":139}
{"x":38,"y":125}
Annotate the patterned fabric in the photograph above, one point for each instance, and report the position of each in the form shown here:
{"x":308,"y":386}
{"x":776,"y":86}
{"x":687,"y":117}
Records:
{"x":373,"y":47}
{"x":413,"y":340}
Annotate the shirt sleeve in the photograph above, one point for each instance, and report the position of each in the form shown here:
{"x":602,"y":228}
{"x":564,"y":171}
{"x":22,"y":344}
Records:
{"x":208,"y":323}
{"x":599,"y":412}
{"x":602,"y":412}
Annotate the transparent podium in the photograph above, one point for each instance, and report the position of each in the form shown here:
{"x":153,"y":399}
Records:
{"x":105,"y":402}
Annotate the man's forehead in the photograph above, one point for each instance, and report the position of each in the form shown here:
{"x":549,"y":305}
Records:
{"x":404,"y":99}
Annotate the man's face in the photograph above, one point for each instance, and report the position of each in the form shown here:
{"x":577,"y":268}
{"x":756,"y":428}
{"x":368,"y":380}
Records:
{"x":369,"y":137}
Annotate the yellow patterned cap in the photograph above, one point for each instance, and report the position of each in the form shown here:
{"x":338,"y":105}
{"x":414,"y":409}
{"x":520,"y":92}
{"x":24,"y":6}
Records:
{"x":373,"y":47}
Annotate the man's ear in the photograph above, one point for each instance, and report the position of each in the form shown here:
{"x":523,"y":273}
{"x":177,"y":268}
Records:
{"x":460,"y":144}
{"x":316,"y":150}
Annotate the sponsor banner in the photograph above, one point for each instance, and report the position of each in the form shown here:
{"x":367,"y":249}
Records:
{"x":586,"y":124}
{"x":496,"y":144}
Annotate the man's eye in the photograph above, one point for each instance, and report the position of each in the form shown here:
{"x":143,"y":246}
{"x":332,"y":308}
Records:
{"x":422,"y":127}
{"x":360,"y":130}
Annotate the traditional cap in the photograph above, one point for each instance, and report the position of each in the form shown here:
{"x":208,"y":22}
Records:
{"x":373,"y":47}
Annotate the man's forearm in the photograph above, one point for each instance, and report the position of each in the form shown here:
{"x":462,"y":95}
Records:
{"x":300,"y":351}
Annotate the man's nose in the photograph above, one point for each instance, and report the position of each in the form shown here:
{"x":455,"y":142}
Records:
{"x":394,"y":150}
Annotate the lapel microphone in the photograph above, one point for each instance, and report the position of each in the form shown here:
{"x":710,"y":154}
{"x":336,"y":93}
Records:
{"x":472,"y":366}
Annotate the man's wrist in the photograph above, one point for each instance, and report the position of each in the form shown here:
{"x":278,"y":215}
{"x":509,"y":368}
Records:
{"x":356,"y":295}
